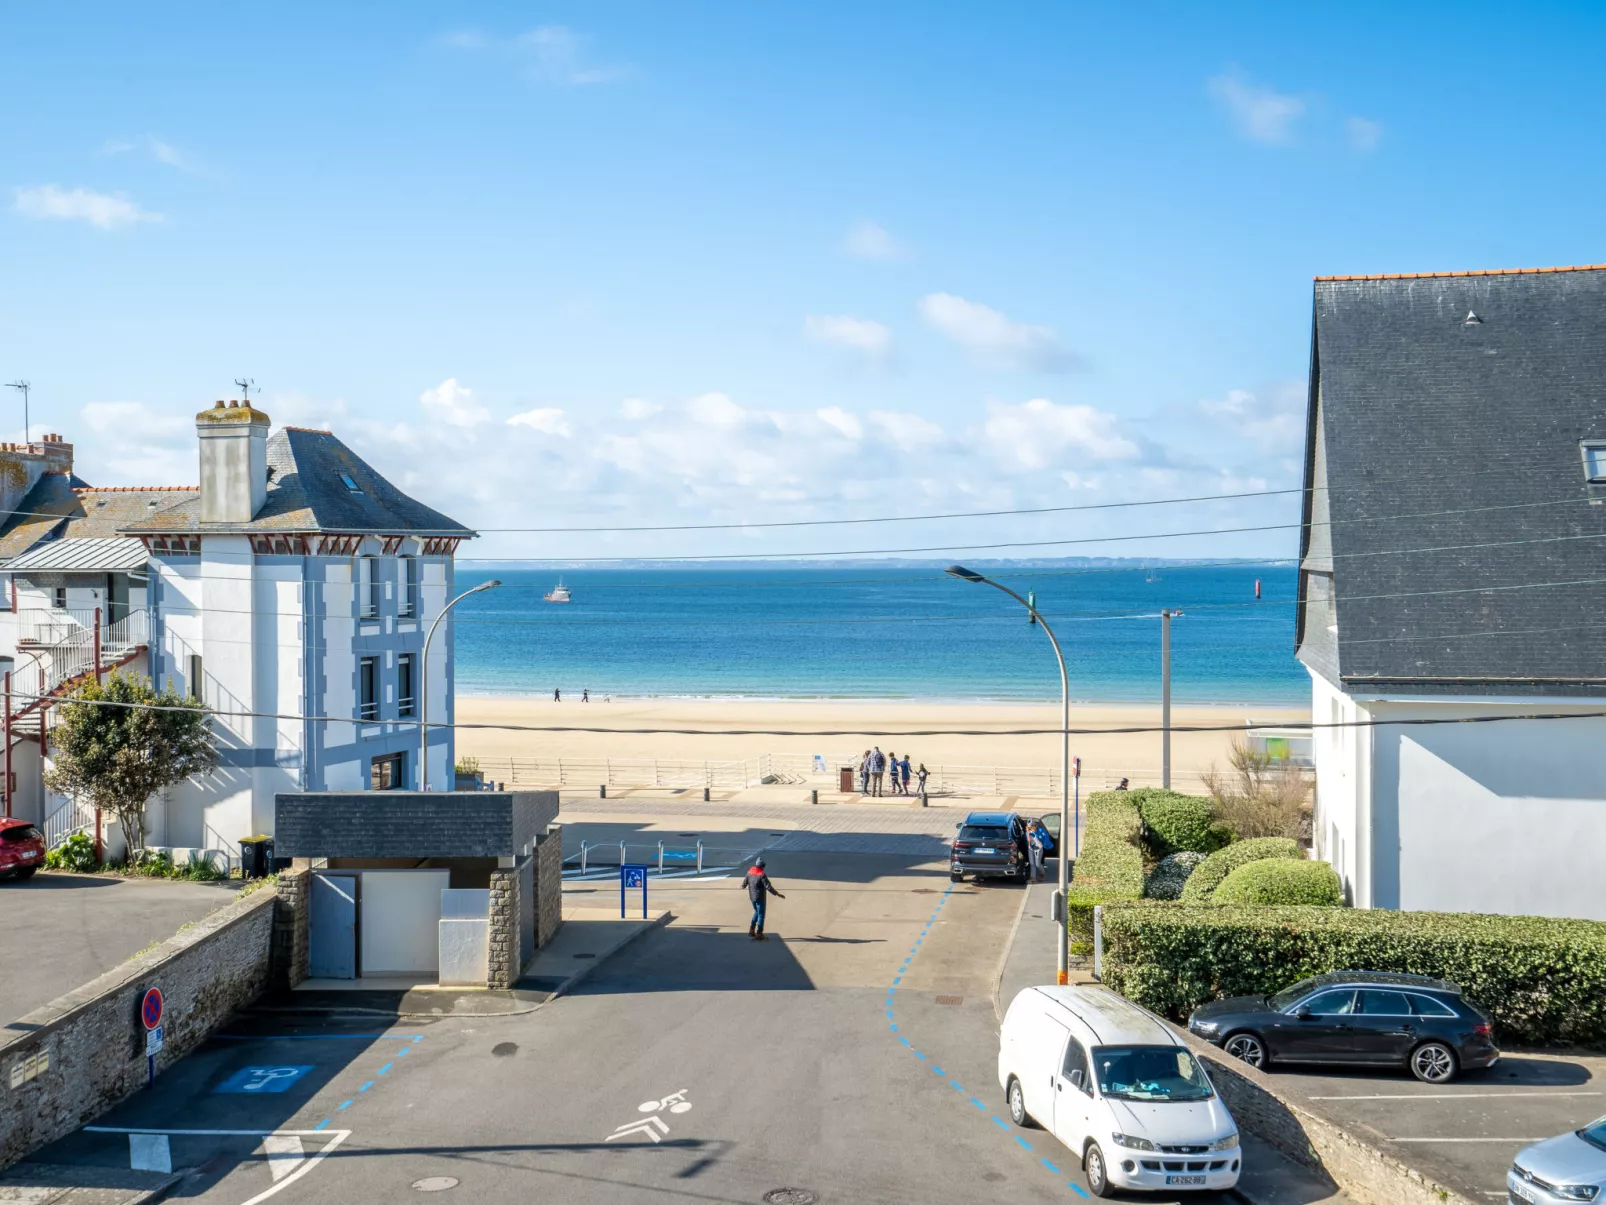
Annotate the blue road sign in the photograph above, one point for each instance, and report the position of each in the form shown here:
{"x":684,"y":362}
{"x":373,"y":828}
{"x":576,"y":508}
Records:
{"x":635,"y":876}
{"x":631,"y":877}
{"x":255,"y":1080}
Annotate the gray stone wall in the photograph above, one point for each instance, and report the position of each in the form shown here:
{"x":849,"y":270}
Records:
{"x":548,"y":884}
{"x":83,"y":1053}
{"x":504,"y":935}
{"x":290,"y":930}
{"x":526,"y":909}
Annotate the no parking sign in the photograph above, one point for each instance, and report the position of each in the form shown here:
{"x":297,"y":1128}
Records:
{"x":151,"y":1006}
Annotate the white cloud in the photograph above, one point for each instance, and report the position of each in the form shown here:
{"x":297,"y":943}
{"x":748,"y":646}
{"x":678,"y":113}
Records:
{"x":870,"y":339}
{"x":1363,"y":135}
{"x":454,"y":404}
{"x":108,"y":211}
{"x":1273,"y":421}
{"x":1038,"y":433}
{"x":1260,"y":114}
{"x":866,"y":240}
{"x":552,"y":54}
{"x":638,"y":408}
{"x":716,"y":410}
{"x":992,"y":339}
{"x":835,"y":416}
{"x":164,"y":153}
{"x":548,"y":420}
{"x":908,"y":430}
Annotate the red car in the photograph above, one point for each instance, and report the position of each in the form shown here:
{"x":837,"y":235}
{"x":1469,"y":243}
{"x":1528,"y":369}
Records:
{"x":22,"y":848}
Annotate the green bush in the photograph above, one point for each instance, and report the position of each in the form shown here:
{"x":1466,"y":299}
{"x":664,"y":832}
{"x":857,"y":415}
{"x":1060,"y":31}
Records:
{"x":1173,"y":823}
{"x":1542,"y":980}
{"x":1281,"y":882}
{"x":76,"y":853}
{"x":1203,"y":882}
{"x":1166,"y":880}
{"x":1110,"y":866}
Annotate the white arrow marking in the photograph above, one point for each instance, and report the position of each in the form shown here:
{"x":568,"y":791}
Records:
{"x":284,"y":1152}
{"x":645,"y":1126}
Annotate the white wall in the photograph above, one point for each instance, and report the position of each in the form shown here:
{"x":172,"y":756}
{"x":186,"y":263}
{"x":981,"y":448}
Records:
{"x":1341,"y":827}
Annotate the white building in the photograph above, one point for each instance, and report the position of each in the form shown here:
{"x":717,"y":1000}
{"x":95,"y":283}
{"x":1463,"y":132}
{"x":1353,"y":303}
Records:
{"x":291,"y":592}
{"x":1453,"y":567}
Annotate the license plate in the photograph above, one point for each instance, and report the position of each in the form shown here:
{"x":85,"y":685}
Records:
{"x":986,"y":851}
{"x":1521,"y":1190}
{"x":30,"y":853}
{"x":1185,"y":1181}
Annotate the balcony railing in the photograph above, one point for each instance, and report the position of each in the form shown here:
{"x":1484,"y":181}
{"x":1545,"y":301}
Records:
{"x":65,"y":640}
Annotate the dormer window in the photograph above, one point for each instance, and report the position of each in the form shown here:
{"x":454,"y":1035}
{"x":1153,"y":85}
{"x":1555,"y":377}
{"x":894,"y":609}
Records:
{"x":350,"y":484}
{"x":1594,"y":451}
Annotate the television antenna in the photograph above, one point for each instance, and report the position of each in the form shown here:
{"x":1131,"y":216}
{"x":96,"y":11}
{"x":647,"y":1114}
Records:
{"x":22,"y":387}
{"x":246,"y":384}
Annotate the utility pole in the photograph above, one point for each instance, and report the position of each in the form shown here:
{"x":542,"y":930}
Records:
{"x":1165,"y":697}
{"x":23,"y":387}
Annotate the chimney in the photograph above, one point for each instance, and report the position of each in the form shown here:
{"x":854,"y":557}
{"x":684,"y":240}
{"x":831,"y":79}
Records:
{"x":234,"y":462}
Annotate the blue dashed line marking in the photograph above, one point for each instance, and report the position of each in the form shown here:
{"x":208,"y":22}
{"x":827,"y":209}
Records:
{"x":1051,"y":1167}
{"x":905,"y":1041}
{"x":344,"y":1105}
{"x":978,"y":1104}
{"x":999,"y":1123}
{"x":1022,"y":1141}
{"x":386,"y":1068}
{"x":366,"y":1086}
{"x":404,"y":1050}
{"x":918,"y":1055}
{"x":954,"y":1084}
{"x":1077,"y":1189}
{"x":889,"y":1014}
{"x":937,"y":1069}
{"x":322,"y":1123}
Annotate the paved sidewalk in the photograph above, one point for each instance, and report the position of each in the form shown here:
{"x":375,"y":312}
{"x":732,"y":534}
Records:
{"x":57,"y":1184}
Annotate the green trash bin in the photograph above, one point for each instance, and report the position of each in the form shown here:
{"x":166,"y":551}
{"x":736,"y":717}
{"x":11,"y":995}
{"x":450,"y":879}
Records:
{"x":256,"y":857}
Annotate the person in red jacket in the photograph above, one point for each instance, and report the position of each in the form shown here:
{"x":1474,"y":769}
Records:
{"x":759,"y":888}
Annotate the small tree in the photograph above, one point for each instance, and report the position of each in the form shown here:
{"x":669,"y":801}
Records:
{"x":1264,"y":796}
{"x":120,"y":741}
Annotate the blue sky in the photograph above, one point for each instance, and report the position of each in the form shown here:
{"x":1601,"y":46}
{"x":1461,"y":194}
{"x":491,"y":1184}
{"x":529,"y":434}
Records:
{"x":695,"y":262}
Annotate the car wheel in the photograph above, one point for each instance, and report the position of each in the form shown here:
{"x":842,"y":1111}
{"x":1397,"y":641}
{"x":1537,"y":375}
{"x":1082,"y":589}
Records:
{"x":1017,"y":1104}
{"x":26,"y":872}
{"x":955,"y":878}
{"x":1098,"y":1179}
{"x":1433,"y":1063}
{"x":1247,"y":1048}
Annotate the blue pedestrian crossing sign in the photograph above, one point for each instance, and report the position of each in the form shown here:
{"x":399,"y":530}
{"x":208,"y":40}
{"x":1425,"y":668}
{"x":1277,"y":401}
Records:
{"x":631,"y":877}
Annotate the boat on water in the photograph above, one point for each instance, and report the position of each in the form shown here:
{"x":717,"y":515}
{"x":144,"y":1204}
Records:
{"x":558,"y":593}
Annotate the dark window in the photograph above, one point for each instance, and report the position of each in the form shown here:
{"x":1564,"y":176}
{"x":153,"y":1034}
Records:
{"x":368,"y":587}
{"x":1077,"y":1067}
{"x":368,"y":688}
{"x":26,"y":832}
{"x":987,"y":835}
{"x":1427,"y":1006}
{"x":1150,"y":1073}
{"x":385,"y":773}
{"x":409,"y":588}
{"x":1384,"y":1004}
{"x":350,"y":484}
{"x":1332,"y":1004}
{"x":197,"y":683}
{"x":59,"y":601}
{"x":405,"y":704}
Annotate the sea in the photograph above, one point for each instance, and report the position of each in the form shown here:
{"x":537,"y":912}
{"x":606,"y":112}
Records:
{"x":859,"y":632}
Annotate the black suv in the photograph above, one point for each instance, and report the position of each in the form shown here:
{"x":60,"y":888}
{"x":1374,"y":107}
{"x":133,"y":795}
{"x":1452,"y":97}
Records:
{"x":991,"y":845}
{"x":1355,"y":1017}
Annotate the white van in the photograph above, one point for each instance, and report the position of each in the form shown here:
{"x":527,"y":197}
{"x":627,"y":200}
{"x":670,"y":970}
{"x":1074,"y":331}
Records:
{"x":1119,"y":1088}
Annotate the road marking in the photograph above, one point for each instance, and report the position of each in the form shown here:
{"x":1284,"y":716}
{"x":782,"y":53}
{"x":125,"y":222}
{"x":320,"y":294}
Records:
{"x":1456,"y":1095}
{"x":344,"y":1105}
{"x":650,"y":1127}
{"x":252,"y":1080}
{"x":285,"y":1154}
{"x":335,"y":1137}
{"x":149,"y":1153}
{"x":366,"y":1086}
{"x":386,"y":1068}
{"x":321,"y":1125}
{"x":1022,"y":1141}
{"x":1076,"y":1188}
{"x":1000,"y":1124}
{"x":937,"y":1069}
{"x":1050,"y":1167}
{"x":196,"y":1133}
{"x":1517,"y":1140}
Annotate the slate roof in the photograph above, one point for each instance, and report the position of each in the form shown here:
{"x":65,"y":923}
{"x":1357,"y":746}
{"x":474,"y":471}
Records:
{"x":61,"y":506}
{"x":1458,"y":439}
{"x":306,"y":493}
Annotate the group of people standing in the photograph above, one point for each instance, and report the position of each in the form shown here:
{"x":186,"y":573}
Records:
{"x":877,"y":769}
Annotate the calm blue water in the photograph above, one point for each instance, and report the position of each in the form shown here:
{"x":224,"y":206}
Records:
{"x":852,"y":632}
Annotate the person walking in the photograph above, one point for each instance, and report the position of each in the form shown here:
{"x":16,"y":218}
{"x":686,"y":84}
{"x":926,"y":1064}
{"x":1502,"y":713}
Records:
{"x":1122,"y":786}
{"x":921,"y":775}
{"x":903,"y":774}
{"x":878,"y":767}
{"x":1034,"y":847}
{"x":557,"y":696}
{"x":864,"y":773}
{"x":585,"y":696}
{"x":758,"y":887}
{"x":892,"y":772}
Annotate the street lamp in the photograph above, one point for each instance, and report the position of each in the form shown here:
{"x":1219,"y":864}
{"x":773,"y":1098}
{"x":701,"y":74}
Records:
{"x":423,"y":744}
{"x":1064,"y":944}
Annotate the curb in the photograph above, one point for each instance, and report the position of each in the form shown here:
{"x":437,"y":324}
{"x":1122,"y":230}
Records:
{"x":568,"y":984}
{"x":1003,"y":960}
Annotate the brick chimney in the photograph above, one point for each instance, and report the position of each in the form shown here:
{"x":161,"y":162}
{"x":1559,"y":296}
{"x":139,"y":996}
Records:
{"x":234,"y":461}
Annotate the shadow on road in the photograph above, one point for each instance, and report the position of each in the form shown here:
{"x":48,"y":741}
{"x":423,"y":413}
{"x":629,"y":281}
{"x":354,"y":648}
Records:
{"x":697,"y":958}
{"x":59,"y":882}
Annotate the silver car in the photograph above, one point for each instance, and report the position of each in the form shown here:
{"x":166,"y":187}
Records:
{"x":1566,"y":1168}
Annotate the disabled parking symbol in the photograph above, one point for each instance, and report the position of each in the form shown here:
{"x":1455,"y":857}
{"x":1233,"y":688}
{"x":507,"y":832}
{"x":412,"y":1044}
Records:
{"x":254,"y":1080}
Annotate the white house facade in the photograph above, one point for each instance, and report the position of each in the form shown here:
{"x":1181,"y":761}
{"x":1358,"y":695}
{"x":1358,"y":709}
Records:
{"x":291,"y":592}
{"x":1452,"y":576}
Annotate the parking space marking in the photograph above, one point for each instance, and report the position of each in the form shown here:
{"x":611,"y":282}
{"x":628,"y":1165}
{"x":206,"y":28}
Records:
{"x":331,"y":1140}
{"x":1519,"y":1141}
{"x":149,"y":1153}
{"x":1423,"y":1096}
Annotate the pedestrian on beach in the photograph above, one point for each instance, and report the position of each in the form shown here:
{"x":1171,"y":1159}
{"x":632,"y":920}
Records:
{"x":1122,"y":787}
{"x":1034,"y":847}
{"x":903,"y":774}
{"x":864,"y":773}
{"x":892,"y":772}
{"x":585,"y":696}
{"x":921,"y":774}
{"x":878,"y":769}
{"x":557,"y":696}
{"x":759,"y":888}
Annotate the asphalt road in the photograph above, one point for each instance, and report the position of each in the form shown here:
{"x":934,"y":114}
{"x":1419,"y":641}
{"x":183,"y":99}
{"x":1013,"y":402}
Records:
{"x":66,"y":929}
{"x":786,"y":1064}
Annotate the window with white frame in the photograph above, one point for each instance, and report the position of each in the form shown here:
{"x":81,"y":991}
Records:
{"x":368,"y":587}
{"x":408,"y":607}
{"x":368,"y":688}
{"x":1594,"y":451}
{"x":406,"y":685}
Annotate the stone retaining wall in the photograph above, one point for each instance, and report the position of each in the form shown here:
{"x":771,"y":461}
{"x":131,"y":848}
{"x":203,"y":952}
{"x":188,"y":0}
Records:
{"x":63,"y":1065}
{"x":548,"y":884}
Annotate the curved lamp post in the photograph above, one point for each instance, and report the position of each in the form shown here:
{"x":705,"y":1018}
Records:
{"x":1064,"y":943}
{"x":423,"y":685}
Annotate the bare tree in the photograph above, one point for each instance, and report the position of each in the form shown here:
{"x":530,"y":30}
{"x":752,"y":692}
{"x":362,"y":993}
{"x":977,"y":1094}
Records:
{"x":1263,"y":796}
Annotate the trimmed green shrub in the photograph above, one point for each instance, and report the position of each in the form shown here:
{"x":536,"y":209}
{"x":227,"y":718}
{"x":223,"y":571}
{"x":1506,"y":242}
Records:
{"x":76,"y":853}
{"x":1110,"y":866}
{"x":1542,"y":980}
{"x":1173,"y":822}
{"x":1281,"y":882}
{"x":1165,"y":881}
{"x":1203,"y":882}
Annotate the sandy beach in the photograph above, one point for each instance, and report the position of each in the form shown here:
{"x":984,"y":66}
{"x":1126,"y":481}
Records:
{"x":718,"y":729}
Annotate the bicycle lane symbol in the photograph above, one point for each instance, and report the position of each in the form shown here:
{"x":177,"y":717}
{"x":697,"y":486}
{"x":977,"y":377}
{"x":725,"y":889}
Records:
{"x":653,"y":1128}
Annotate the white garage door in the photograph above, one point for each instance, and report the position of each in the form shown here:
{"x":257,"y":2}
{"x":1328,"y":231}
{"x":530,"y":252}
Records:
{"x":401,"y":913}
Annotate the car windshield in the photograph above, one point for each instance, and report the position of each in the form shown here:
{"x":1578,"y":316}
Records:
{"x":1283,"y":999}
{"x":984,"y":834}
{"x":1594,"y":1133}
{"x":19,"y":833}
{"x":1149,"y":1073}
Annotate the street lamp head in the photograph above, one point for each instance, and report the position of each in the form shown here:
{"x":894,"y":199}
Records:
{"x":490,"y":585}
{"x":959,"y":571}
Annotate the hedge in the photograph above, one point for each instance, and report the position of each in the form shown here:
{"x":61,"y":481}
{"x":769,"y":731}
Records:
{"x":1542,"y":980}
{"x":1110,"y":868}
{"x":1274,"y":881}
{"x":1166,"y":881}
{"x":1203,"y":882}
{"x":1174,"y":823}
